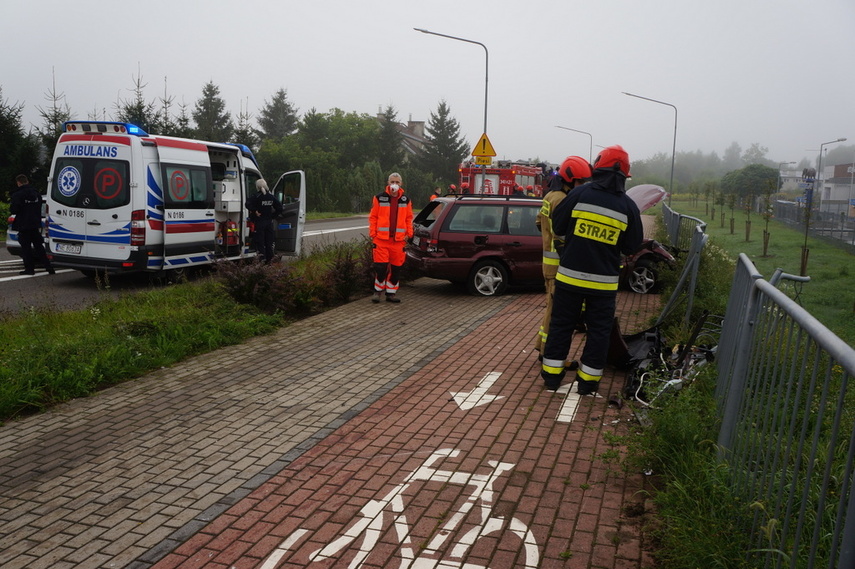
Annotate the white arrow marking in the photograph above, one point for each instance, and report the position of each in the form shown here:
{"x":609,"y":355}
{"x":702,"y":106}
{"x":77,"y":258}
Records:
{"x":478,"y":396}
{"x":570,"y":405}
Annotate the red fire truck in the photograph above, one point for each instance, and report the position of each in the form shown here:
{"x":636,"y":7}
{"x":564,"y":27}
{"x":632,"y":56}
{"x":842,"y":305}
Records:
{"x":501,"y":178}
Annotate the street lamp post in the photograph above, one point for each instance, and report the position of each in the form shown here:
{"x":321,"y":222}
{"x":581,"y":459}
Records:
{"x":590,"y":146}
{"x":486,"y":81}
{"x":673,"y":147}
{"x":809,"y":206}
{"x":850,"y":203}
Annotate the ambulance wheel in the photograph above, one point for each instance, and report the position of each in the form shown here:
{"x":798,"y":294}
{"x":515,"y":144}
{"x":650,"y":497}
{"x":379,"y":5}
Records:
{"x":487,"y":278}
{"x":176,"y":276}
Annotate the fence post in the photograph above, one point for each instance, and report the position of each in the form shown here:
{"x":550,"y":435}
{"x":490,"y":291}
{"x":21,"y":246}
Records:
{"x":739,"y":323}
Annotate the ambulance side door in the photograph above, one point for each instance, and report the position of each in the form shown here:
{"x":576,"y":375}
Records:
{"x":290,"y":190}
{"x":188,"y":203}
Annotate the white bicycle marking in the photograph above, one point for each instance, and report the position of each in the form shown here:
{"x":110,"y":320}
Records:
{"x":372,"y":522}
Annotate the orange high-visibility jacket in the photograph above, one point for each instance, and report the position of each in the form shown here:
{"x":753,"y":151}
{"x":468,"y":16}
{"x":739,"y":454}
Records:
{"x":379,"y":220}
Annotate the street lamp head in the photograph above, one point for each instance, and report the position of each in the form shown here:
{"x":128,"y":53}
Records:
{"x":841,"y":140}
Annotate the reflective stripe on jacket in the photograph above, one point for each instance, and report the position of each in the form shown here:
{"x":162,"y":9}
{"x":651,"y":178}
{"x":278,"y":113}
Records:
{"x":600,"y":223}
{"x":381,"y":216}
{"x":544,"y":223}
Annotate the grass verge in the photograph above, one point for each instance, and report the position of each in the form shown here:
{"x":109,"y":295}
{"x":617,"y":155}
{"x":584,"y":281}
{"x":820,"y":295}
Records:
{"x":50,"y":356}
{"x":829,"y":296}
{"x":699,"y":521}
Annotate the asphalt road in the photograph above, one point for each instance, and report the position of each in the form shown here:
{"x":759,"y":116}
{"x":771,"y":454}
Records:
{"x":69,"y":289}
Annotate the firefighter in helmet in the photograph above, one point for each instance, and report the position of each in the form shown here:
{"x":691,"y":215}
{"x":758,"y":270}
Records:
{"x":599,"y":222}
{"x":390,"y":225}
{"x":573,"y":172}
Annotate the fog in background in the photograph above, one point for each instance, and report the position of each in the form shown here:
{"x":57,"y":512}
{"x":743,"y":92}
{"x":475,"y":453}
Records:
{"x":772,"y":72}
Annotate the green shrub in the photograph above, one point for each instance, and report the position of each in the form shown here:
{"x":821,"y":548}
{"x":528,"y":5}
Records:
{"x":4,"y":216}
{"x":328,"y":277}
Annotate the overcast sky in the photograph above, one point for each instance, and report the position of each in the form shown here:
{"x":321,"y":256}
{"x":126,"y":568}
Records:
{"x":774,"y":72}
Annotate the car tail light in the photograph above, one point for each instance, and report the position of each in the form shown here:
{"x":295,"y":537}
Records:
{"x":431,"y":245}
{"x":138,"y":227}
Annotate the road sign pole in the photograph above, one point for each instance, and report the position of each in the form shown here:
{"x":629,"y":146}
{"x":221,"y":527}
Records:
{"x":483,"y":153}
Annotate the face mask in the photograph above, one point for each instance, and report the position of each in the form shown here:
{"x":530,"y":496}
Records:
{"x":394,"y":186}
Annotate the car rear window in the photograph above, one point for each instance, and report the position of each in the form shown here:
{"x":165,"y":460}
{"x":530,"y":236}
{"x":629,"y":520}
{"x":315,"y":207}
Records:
{"x":429,"y":214}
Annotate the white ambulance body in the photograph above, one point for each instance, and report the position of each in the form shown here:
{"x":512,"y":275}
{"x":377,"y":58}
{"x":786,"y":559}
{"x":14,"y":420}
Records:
{"x":121,"y":200}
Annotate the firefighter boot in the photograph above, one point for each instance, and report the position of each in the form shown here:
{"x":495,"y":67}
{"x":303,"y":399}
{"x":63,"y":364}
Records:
{"x":551,"y":381}
{"x":587,"y":387}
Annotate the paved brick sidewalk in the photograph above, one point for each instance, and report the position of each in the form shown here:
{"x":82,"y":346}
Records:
{"x":517,"y":481}
{"x":217,"y":461}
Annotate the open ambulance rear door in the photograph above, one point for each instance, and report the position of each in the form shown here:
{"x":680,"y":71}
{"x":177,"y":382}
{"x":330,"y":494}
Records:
{"x":290,"y":190}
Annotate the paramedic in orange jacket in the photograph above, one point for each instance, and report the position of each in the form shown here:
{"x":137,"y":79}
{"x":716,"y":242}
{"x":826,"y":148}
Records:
{"x":390,"y":224}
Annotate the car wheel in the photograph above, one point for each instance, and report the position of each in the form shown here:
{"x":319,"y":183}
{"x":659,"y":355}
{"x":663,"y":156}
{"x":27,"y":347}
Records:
{"x":644,"y":277}
{"x":488,"y":278}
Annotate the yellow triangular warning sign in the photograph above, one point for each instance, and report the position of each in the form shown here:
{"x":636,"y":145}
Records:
{"x":483,"y":148}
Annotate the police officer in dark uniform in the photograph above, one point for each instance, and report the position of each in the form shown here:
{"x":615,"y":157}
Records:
{"x":599,"y":223}
{"x":26,"y":204}
{"x":264,"y":209}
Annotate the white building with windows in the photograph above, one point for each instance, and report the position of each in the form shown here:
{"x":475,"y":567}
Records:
{"x":836,"y":190}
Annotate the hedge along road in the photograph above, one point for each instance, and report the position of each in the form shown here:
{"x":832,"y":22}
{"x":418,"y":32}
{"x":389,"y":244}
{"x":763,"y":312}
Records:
{"x":68,"y":289}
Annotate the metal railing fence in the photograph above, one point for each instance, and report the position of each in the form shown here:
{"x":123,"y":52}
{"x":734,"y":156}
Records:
{"x":687,"y":237}
{"x":788,"y":426}
{"x":681,"y":228}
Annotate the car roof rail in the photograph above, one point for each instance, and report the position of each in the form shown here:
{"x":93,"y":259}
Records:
{"x":489,"y":196}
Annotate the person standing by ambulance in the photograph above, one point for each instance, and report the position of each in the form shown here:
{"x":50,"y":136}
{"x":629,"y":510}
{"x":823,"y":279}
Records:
{"x":600,"y":222}
{"x":390,"y":224}
{"x":26,"y":205}
{"x":573,"y":172}
{"x":264,"y":208}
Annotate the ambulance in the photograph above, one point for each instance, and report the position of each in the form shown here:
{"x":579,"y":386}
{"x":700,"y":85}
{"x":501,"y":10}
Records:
{"x":121,"y":200}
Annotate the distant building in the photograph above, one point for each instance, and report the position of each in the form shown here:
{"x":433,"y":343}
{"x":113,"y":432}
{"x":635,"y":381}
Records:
{"x":836,"y":190}
{"x":790,"y":180}
{"x":412,"y":134}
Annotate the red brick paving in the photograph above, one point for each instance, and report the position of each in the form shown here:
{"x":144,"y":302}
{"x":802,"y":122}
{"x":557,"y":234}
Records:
{"x":565,"y":484}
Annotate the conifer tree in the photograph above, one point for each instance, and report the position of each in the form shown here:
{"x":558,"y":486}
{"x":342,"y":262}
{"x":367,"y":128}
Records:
{"x":213,"y":122}
{"x":277,"y":118}
{"x":390,"y":141}
{"x":445,"y":147}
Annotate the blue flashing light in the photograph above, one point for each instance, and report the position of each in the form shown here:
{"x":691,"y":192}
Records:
{"x":135,"y":130}
{"x":245,"y":149}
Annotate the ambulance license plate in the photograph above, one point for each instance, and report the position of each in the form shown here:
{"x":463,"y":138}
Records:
{"x":74,"y":248}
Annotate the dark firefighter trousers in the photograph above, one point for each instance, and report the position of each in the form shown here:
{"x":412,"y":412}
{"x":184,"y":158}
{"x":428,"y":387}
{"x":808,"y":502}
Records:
{"x":566,"y":315}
